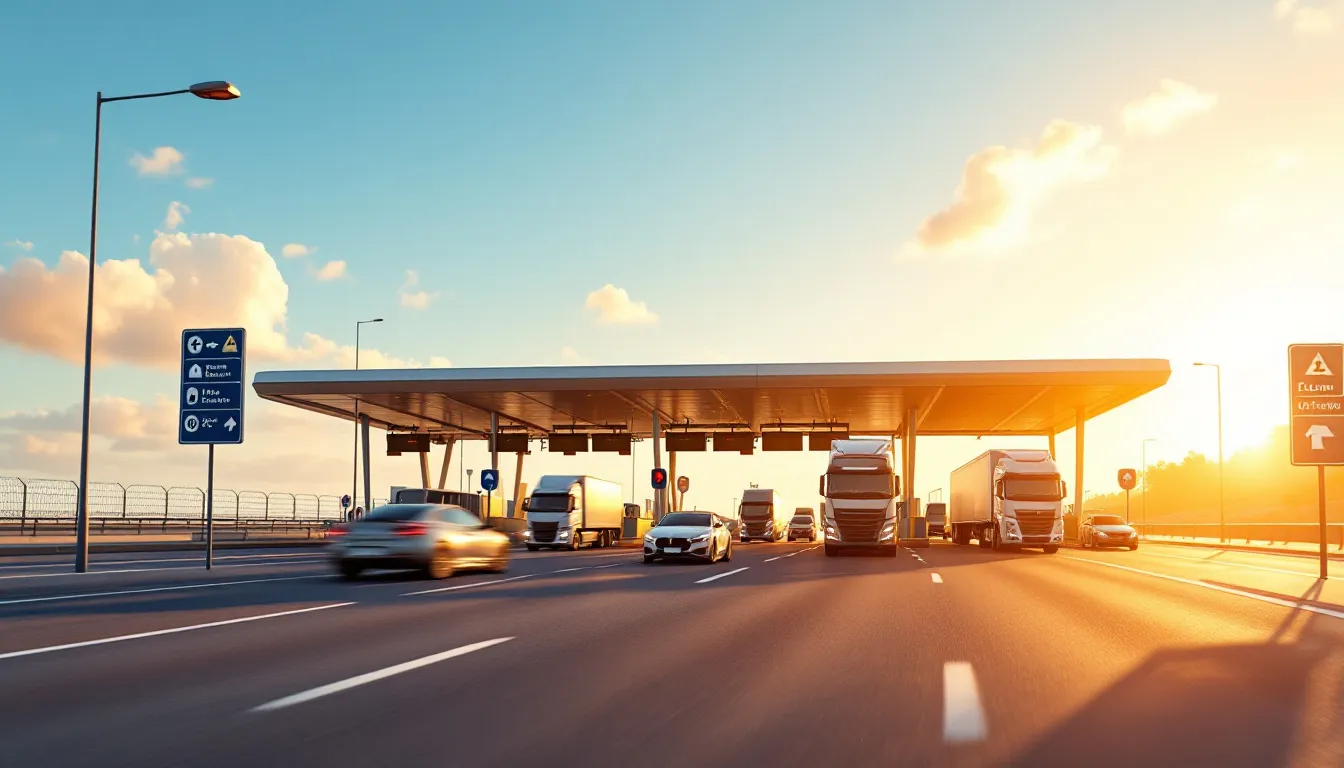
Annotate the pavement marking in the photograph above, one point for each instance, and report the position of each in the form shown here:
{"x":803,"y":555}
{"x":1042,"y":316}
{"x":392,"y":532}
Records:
{"x":773,"y":559}
{"x":963,"y":715}
{"x":175,"y":588}
{"x":1217,"y":588}
{"x":469,"y":586}
{"x":1290,"y":572}
{"x":611,"y":565}
{"x":200,"y":563}
{"x":370,"y":677}
{"x":937,"y":579}
{"x":721,"y":575}
{"x":170,"y":631}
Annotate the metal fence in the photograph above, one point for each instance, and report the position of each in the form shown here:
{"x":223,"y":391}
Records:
{"x":24,"y":499}
{"x":1271,"y":533}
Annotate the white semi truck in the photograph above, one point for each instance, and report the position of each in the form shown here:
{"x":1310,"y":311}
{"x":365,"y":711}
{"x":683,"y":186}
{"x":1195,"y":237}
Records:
{"x":764,"y":515}
{"x":1008,"y":498}
{"x":860,"y":489}
{"x":568,"y":511}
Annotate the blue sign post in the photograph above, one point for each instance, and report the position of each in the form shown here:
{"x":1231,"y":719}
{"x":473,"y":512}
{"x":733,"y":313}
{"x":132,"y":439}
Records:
{"x":210,"y":402}
{"x":489,"y":481}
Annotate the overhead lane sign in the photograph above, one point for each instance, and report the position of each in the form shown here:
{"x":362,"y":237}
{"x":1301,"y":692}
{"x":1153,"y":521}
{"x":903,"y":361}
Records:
{"x":1316,"y":404}
{"x":210,"y":407}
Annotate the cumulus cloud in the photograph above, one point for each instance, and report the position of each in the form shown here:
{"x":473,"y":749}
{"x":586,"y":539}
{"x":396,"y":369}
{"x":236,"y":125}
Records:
{"x":1001,"y":188}
{"x":295,"y":250}
{"x":1166,"y":108}
{"x":1314,"y":19}
{"x":200,"y":182}
{"x":22,"y":245}
{"x":177,"y":213}
{"x":412,"y":298}
{"x":131,"y":425}
{"x":614,"y":306}
{"x":164,"y":161}
{"x":332,"y":270}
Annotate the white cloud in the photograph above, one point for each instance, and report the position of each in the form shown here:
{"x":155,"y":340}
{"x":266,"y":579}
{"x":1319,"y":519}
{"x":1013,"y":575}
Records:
{"x":1315,"y":19}
{"x":615,"y":306}
{"x":22,"y":245}
{"x":177,"y":213}
{"x":164,"y":161}
{"x":200,"y":182}
{"x":332,"y":270}
{"x":1170,"y":105}
{"x":1001,"y":188}
{"x":131,"y":425}
{"x":440,"y":362}
{"x":295,"y":250}
{"x":411,"y":298}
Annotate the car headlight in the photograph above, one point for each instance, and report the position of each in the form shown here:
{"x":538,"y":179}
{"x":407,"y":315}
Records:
{"x":649,"y":538}
{"x":701,"y":537}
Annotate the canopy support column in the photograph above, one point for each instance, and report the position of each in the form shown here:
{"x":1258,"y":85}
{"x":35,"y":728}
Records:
{"x":364,"y":438}
{"x":1079,"y":432}
{"x":672,"y":481}
{"x":657,"y":461}
{"x":518,"y":488}
{"x":447,"y":457}
{"x":494,"y":441}
{"x":1052,"y":445}
{"x":424,"y":469}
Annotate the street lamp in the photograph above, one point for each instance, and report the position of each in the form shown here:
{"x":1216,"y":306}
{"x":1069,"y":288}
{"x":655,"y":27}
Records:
{"x":215,"y":90}
{"x":1146,"y":441}
{"x":354,"y":482}
{"x":1222,"y":517}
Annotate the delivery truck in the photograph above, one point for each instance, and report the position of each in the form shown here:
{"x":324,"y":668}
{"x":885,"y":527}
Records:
{"x":860,"y":491}
{"x":1008,"y":498}
{"x":568,"y":511}
{"x":763,"y":515}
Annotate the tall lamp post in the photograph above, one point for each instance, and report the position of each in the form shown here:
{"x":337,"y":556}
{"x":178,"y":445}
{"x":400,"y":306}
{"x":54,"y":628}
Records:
{"x":1222,"y":517}
{"x":216,"y":90}
{"x":1146,"y":441}
{"x":354,"y":473}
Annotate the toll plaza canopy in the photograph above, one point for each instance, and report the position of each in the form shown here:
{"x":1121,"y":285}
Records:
{"x":1018,"y":397}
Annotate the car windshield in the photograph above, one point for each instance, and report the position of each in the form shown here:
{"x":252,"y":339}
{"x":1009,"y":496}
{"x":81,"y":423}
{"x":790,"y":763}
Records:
{"x":393,"y":513}
{"x":685,"y":518}
{"x":1031,"y":489}
{"x":1108,"y":520}
{"x":853,"y":485}
{"x":549,"y":502}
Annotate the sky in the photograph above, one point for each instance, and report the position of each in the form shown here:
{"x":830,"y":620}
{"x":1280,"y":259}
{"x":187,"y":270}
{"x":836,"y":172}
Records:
{"x":605,"y":182}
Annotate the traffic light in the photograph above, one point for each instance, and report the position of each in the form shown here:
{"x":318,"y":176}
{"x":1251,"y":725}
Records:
{"x":659,"y":479}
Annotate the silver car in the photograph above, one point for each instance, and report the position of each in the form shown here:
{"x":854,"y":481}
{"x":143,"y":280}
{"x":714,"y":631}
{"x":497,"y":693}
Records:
{"x":689,"y":535}
{"x":437,"y":539}
{"x":1107,"y":531}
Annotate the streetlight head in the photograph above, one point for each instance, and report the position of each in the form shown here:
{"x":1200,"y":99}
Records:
{"x":216,"y":90}
{"x":376,"y":320}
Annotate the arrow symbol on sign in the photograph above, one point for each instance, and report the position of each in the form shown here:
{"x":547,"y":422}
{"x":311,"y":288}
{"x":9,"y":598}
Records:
{"x":212,"y":344}
{"x":230,"y":424}
{"x":1318,"y":433}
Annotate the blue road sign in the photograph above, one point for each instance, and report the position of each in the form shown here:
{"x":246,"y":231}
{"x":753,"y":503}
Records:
{"x":489,"y":479}
{"x":345,"y":501}
{"x":210,"y":400}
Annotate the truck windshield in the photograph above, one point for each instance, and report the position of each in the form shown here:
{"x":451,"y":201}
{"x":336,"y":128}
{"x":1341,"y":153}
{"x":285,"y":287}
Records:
{"x":549,"y":502}
{"x":756,"y":510}
{"x":856,"y":486}
{"x":1032,"y":489}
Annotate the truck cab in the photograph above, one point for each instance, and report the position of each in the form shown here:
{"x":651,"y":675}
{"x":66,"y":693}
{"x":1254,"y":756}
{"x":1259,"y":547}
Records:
{"x":860,"y":489}
{"x":568,"y":511}
{"x":764,"y":516}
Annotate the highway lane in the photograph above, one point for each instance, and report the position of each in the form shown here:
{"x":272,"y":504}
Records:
{"x":787,"y":658}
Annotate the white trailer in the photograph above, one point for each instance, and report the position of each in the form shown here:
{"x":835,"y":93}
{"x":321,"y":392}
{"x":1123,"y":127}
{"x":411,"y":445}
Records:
{"x":568,"y":511}
{"x":860,"y":489}
{"x":1008,"y":498}
{"x":764,"y":515}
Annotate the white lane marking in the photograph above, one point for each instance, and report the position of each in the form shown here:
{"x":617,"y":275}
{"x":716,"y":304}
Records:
{"x":469,"y":586}
{"x":1207,"y":561}
{"x":773,"y":559}
{"x":1217,"y":588}
{"x":963,"y":716}
{"x":175,"y":588}
{"x":369,"y":677}
{"x":612,"y":565}
{"x":937,"y":579}
{"x":721,"y":575}
{"x":157,"y":570}
{"x":170,"y":631}
{"x":569,"y":570}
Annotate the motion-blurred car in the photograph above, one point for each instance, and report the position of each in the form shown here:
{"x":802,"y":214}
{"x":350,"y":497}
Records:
{"x":695,"y":535}
{"x":436,"y":539}
{"x":1107,"y":531}
{"x":804,"y":525}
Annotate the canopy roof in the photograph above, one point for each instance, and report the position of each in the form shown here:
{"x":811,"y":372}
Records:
{"x":1006,"y":397}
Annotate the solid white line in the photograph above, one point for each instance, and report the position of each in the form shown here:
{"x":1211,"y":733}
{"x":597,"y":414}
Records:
{"x":937,"y":579}
{"x":611,"y":565}
{"x":157,"y":632}
{"x":569,"y":570}
{"x":721,"y":575}
{"x":963,"y":716}
{"x":175,"y":588}
{"x":1217,"y":588}
{"x":773,"y":559}
{"x":369,"y":677}
{"x":469,"y":586}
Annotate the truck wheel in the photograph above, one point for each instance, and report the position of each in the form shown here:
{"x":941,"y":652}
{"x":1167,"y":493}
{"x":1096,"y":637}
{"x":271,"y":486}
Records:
{"x":1051,"y":550}
{"x":575,"y":542}
{"x":982,"y":538}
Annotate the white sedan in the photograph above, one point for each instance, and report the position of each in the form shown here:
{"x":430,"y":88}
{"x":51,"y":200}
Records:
{"x":694,"y":535}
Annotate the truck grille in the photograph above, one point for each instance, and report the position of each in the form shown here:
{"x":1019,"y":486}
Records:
{"x":544,"y":531}
{"x":1036,"y":522}
{"x":860,"y":525}
{"x":755,"y":529}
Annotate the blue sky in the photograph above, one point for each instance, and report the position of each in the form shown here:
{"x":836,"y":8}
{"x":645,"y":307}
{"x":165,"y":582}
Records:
{"x":743,"y":169}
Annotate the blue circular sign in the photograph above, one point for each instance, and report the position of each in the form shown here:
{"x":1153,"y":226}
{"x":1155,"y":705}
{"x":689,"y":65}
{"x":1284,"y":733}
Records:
{"x":489,"y":479}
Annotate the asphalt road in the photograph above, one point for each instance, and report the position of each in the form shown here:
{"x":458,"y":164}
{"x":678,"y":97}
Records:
{"x":1169,"y":656}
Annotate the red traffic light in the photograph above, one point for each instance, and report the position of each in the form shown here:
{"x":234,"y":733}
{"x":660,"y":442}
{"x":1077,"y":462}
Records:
{"x":659,"y":479}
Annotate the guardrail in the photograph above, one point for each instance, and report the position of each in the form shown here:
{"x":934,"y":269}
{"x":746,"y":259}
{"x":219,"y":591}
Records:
{"x":35,"y":526}
{"x":1273,"y":533}
{"x":54,"y":500}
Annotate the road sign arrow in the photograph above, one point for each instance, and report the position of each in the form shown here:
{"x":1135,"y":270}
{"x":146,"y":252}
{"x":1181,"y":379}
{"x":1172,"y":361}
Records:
{"x":230,"y":424}
{"x":1318,"y":433}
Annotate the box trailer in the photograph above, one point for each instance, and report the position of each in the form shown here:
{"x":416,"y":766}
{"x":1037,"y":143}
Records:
{"x":1008,"y":498}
